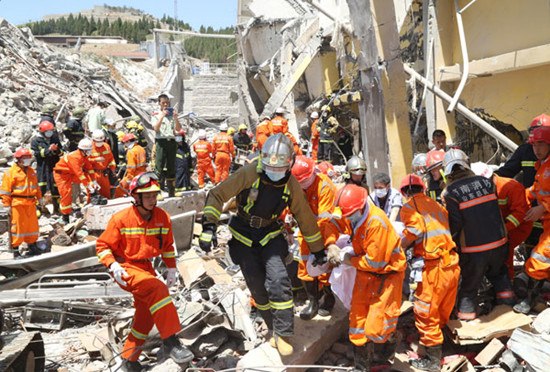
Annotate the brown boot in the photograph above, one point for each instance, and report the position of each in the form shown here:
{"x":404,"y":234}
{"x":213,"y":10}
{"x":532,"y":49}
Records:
{"x":283,"y":345}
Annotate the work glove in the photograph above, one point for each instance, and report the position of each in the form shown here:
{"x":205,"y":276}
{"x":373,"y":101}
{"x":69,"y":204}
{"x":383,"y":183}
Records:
{"x":208,"y":237}
{"x":118,"y":273}
{"x":54,"y":147}
{"x":320,"y":258}
{"x":42,"y":202}
{"x":171,"y":277}
{"x":333,"y":255}
{"x":91,"y":188}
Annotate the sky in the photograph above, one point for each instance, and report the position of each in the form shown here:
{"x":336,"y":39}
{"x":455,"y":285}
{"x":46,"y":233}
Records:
{"x":215,"y":13}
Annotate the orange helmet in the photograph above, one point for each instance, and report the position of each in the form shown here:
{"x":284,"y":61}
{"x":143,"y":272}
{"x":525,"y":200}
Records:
{"x":145,"y":182}
{"x":541,"y":134}
{"x":303,"y":168}
{"x":542,"y":120}
{"x":434,"y":158}
{"x":326,"y":168}
{"x":351,"y":198}
{"x":412,"y":180}
{"x":128,"y":137}
{"x":22,"y":152}
{"x":45,"y":126}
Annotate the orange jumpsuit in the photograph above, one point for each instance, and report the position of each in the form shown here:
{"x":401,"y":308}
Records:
{"x":279,"y":125}
{"x":71,"y":168}
{"x":314,"y":139}
{"x":513,"y":205}
{"x":136,"y":163}
{"x":320,"y":197}
{"x":20,"y":191}
{"x":223,"y":149}
{"x":102,"y":158}
{"x":263,"y":131}
{"x":295,"y":144}
{"x":427,"y":225}
{"x":538,"y":265}
{"x":203,"y":149}
{"x":380,"y":264}
{"x":133,"y":242}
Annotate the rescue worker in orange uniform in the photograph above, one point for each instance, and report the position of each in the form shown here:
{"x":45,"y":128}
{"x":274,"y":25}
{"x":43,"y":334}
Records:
{"x":513,"y":204}
{"x":103,"y":163}
{"x":20,"y":192}
{"x":204,"y":152}
{"x":74,"y":167}
{"x":263,"y":131}
{"x":136,"y":160}
{"x":223,"y":150}
{"x":380,"y":264}
{"x":427,"y":231}
{"x":314,"y":134}
{"x":278,"y":123}
{"x":295,"y":144}
{"x":537,"y":266}
{"x":320,"y":193}
{"x":132,"y":238}
{"x":434,"y":161}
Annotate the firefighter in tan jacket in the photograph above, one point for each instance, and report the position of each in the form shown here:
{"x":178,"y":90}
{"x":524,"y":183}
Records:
{"x":263,"y":189}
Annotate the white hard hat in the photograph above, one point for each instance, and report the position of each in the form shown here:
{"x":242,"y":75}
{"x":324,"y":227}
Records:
{"x":314,"y":115}
{"x":454,"y":157}
{"x":98,"y":135}
{"x":277,"y":152}
{"x":85,"y":144}
{"x":482,"y":169}
{"x":223,"y":127}
{"x":280,"y":110}
{"x":202,"y":134}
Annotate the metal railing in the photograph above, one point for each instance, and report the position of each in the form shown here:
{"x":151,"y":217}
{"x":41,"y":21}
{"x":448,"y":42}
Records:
{"x":215,"y":69}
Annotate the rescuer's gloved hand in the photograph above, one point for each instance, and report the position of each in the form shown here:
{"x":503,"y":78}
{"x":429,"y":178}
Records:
{"x":208,"y":237}
{"x":118,"y":273}
{"x":171,"y":277}
{"x":333,"y":255}
{"x":320,"y":258}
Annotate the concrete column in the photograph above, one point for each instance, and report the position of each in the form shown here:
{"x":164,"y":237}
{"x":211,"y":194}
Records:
{"x":430,"y":39}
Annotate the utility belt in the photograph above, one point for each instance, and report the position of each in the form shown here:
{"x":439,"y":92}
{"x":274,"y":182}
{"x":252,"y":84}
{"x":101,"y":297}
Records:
{"x":256,"y":222}
{"x":123,"y":260}
{"x":24,"y":196}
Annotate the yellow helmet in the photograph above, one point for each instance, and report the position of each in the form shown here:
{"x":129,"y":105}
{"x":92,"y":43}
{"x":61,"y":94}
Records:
{"x":242,"y":126}
{"x":119,"y":135}
{"x":231,"y":130}
{"x":131,"y":124}
{"x":325,"y":108}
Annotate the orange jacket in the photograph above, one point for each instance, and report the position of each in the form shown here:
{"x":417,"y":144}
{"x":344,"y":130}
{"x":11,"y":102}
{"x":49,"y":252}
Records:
{"x":511,"y":200}
{"x":130,"y":238}
{"x":19,"y":187}
{"x":320,"y":196}
{"x":314,"y":131}
{"x":427,"y":224}
{"x":203,"y":149}
{"x":223,"y":142}
{"x":102,"y":158}
{"x":136,"y":162}
{"x":279,"y":124}
{"x":296,"y":145}
{"x":263,"y":131}
{"x":76,"y":165}
{"x":541,"y":187}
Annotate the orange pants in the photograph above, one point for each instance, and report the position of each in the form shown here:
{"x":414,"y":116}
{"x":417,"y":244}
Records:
{"x":314,"y":149}
{"x":204,"y":167}
{"x":435,"y":299}
{"x":24,"y":225}
{"x":153,"y":306}
{"x":375,"y":307}
{"x":538,"y":265}
{"x":64,"y":182}
{"x":223,"y":162}
{"x":104,"y":184}
{"x":302,"y":264}
{"x":515,"y":238}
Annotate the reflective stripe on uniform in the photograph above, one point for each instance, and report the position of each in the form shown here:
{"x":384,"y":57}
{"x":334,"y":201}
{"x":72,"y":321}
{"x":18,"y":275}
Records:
{"x":157,"y":231}
{"x":540,"y":257}
{"x":104,"y":253}
{"x":281,"y":305}
{"x":421,"y":306}
{"x":477,"y":201}
{"x":503,"y":201}
{"x":160,"y":304}
{"x":265,"y":307}
{"x":25,"y":234}
{"x":528,"y":163}
{"x":213,"y":212}
{"x":513,"y":220}
{"x":269,"y":236}
{"x":171,"y":254}
{"x":138,"y":335}
{"x":484,"y":247}
{"x":132,"y":230}
{"x":313,"y":238}
{"x":243,"y":239}
{"x":249,"y":201}
{"x":356,"y":331}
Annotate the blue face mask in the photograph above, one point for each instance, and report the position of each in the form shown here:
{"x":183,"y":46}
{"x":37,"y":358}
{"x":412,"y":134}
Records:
{"x":275,"y":176}
{"x":48,"y":133}
{"x":355,"y":217}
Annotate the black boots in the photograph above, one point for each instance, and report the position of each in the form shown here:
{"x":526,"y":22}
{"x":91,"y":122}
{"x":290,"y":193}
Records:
{"x":175,"y":350}
{"x":33,"y":250}
{"x":327,"y":301}
{"x":55,"y":204}
{"x":66,"y":218}
{"x":312,"y":291}
{"x":171,"y":185}
{"x":533,"y":289}
{"x":16,"y":254}
{"x":362,"y":357}
{"x":430,"y":361}
{"x":128,"y":366}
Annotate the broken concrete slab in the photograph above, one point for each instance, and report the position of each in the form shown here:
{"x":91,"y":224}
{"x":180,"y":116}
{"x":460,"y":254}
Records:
{"x":311,"y":339}
{"x":94,"y":340}
{"x":490,"y":353}
{"x":191,"y":267}
{"x":541,"y":324}
{"x":531,"y":347}
{"x":500,"y":322}
{"x":237,"y":306}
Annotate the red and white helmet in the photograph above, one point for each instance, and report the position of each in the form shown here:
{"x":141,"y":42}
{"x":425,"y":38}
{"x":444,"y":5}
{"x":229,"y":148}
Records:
{"x":542,"y":120}
{"x":144,"y":182}
{"x":45,"y":126}
{"x":128,"y":137}
{"x":303,"y":168}
{"x":22,"y":152}
{"x":434,"y":158}
{"x":540,"y":134}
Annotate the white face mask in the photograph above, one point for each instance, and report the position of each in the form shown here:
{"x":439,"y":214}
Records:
{"x":355,"y":217}
{"x":48,"y":133}
{"x":381,"y":193}
{"x":179,"y":138}
{"x":99,"y":143}
{"x":307,"y":183}
{"x":26,"y":162}
{"x":275,"y":176}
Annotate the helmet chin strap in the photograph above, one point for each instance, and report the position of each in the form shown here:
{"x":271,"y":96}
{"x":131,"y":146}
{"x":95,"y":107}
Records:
{"x":140,"y":204}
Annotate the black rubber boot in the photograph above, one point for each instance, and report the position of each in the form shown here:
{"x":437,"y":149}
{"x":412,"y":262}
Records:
{"x":128,"y":366}
{"x":66,"y":218}
{"x":431,"y":361}
{"x":33,"y":250}
{"x":533,"y":289}
{"x":312,"y":291}
{"x":171,"y":185}
{"x":362,"y":357}
{"x":175,"y":350}
{"x":55,"y":204}
{"x":16,"y":254}
{"x":327,"y":302}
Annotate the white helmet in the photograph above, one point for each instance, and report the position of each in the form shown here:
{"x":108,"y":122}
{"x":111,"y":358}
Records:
{"x":280,"y":110}
{"x":454,"y":157}
{"x":202,"y":134}
{"x":277,"y":152}
{"x":419,"y":163}
{"x":85,"y":144}
{"x":223,"y":127}
{"x":314,"y":115}
{"x":98,"y":135}
{"x":482,"y":169}
{"x":356,"y":165}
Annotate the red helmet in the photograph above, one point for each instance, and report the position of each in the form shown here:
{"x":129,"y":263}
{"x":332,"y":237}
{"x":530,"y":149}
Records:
{"x":45,"y":126}
{"x":412,"y":180}
{"x":303,"y":168}
{"x":22,"y":152}
{"x":144,"y":182}
{"x":542,"y":120}
{"x":128,"y":137}
{"x":351,"y":198}
{"x":434,"y":158}
{"x":540,"y":134}
{"x":325,"y":167}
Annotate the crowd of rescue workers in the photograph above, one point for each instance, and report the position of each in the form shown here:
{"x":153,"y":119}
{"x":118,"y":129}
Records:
{"x":449,"y":233}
